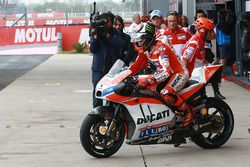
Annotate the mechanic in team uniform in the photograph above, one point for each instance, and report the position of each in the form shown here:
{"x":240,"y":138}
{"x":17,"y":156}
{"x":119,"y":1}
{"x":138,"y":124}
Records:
{"x":174,"y":35}
{"x":194,"y":50}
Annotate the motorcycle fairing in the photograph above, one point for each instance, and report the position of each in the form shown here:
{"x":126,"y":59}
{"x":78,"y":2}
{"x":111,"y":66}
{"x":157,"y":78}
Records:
{"x":201,"y":75}
{"x":150,"y":119}
{"x":106,"y":86}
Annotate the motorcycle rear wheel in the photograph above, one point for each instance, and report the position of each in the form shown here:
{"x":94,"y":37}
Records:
{"x":96,"y":144}
{"x":215,"y":138}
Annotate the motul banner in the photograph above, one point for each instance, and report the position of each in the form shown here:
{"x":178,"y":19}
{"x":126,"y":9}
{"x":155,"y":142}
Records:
{"x":9,"y":23}
{"x":58,"y":15}
{"x":35,"y":35}
{"x":28,"y":35}
{"x":40,"y":15}
{"x":44,"y":34}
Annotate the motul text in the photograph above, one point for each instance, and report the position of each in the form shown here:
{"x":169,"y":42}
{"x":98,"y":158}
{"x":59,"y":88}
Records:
{"x":32,"y":35}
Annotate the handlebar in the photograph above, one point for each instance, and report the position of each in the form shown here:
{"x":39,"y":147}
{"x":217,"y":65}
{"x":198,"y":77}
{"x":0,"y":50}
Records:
{"x":127,"y":86}
{"x":131,"y":80}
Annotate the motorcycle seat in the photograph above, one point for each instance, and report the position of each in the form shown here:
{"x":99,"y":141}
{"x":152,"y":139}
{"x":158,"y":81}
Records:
{"x":189,"y":83}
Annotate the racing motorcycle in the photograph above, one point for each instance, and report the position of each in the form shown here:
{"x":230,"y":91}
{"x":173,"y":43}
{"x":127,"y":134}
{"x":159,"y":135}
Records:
{"x":143,"y":117}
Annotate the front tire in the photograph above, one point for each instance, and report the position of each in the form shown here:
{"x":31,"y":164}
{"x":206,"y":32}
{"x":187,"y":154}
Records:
{"x":219,"y":110}
{"x":97,"y":144}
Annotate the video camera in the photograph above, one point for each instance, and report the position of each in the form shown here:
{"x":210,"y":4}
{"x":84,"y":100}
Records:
{"x":98,"y":21}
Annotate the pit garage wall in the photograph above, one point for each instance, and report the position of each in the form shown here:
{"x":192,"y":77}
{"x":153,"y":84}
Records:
{"x":44,"y":34}
{"x":189,"y":9}
{"x":240,"y":7}
{"x":184,"y":7}
{"x":147,"y":5}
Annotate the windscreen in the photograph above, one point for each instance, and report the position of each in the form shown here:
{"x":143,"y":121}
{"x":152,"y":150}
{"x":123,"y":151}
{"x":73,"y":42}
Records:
{"x":119,"y":64}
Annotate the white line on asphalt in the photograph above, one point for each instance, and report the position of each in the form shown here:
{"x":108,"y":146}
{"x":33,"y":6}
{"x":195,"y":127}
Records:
{"x":83,"y":91}
{"x":12,"y":60}
{"x":53,"y":84}
{"x":38,"y":101}
{"x":30,"y":51}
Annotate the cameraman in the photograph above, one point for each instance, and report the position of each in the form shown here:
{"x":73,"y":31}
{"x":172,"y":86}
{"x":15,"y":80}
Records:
{"x":105,"y":44}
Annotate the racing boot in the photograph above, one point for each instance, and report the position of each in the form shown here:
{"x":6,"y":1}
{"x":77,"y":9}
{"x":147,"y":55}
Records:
{"x":183,"y":109}
{"x":217,"y":93}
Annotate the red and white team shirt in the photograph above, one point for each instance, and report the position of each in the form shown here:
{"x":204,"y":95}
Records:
{"x":194,"y":52}
{"x":177,"y":39}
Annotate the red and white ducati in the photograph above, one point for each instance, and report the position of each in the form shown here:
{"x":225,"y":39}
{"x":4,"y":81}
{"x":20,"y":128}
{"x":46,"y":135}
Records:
{"x":144,"y":118}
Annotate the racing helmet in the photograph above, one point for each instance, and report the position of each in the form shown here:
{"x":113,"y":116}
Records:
{"x":204,"y":23}
{"x":145,"y":37}
{"x":148,"y":37}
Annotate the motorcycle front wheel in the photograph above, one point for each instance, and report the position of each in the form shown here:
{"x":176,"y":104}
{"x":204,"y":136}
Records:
{"x":96,"y":142}
{"x":221,"y":114}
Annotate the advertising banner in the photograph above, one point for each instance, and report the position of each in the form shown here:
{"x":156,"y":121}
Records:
{"x":9,"y":23}
{"x":44,"y":34}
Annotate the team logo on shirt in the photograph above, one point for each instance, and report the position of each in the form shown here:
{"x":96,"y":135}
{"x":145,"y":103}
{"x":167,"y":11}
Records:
{"x":189,"y":52}
{"x":169,"y":36}
{"x":161,"y":48}
{"x":160,"y":75}
{"x":181,"y":37}
{"x":164,"y":60}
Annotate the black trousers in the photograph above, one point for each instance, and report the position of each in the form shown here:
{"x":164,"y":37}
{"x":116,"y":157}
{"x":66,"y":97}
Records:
{"x":96,"y":77}
{"x":216,"y":79}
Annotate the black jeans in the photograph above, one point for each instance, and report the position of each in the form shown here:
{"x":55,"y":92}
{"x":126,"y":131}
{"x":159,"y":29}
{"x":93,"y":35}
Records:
{"x":96,"y":77}
{"x":216,"y":79}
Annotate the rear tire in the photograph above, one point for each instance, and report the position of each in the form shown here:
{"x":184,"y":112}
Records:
{"x":96,"y":144}
{"x":220,"y":110}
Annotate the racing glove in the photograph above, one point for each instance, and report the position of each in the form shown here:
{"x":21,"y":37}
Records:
{"x":144,"y":81}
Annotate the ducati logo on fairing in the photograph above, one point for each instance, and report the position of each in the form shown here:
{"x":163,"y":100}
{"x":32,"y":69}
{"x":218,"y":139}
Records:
{"x":153,"y":117}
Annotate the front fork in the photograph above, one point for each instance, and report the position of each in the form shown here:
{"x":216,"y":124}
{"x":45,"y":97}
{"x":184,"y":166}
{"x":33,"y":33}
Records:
{"x":114,"y":119}
{"x":110,"y":127}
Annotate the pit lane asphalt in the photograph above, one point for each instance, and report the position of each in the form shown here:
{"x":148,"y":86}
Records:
{"x":14,"y":66}
{"x":42,"y":110}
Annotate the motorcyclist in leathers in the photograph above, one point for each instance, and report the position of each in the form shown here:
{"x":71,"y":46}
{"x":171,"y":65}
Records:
{"x":171,"y":73}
